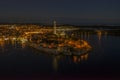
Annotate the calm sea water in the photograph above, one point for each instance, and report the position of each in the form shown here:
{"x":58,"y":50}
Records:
{"x":103,"y":60}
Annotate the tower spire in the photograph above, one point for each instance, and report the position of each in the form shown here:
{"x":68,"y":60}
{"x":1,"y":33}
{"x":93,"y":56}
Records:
{"x":54,"y":26}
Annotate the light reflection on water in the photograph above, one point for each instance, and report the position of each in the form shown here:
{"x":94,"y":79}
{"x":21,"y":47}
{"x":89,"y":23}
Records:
{"x":102,"y":55}
{"x":71,"y":59}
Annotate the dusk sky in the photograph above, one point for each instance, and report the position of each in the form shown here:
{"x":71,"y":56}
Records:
{"x":63,"y":11}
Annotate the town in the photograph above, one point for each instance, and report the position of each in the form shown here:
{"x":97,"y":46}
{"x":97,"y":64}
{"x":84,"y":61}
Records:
{"x":52,"y":40}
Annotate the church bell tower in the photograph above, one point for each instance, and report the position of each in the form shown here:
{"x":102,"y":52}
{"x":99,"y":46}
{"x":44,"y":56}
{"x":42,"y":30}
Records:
{"x":54,"y":28}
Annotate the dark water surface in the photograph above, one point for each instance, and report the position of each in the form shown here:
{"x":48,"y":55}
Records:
{"x":18,"y":59}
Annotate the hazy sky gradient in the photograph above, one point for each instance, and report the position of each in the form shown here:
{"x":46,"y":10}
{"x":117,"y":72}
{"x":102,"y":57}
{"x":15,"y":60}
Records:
{"x":64,"y":11}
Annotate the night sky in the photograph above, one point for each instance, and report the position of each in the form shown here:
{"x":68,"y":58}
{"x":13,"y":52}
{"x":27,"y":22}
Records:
{"x":63,"y":11}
